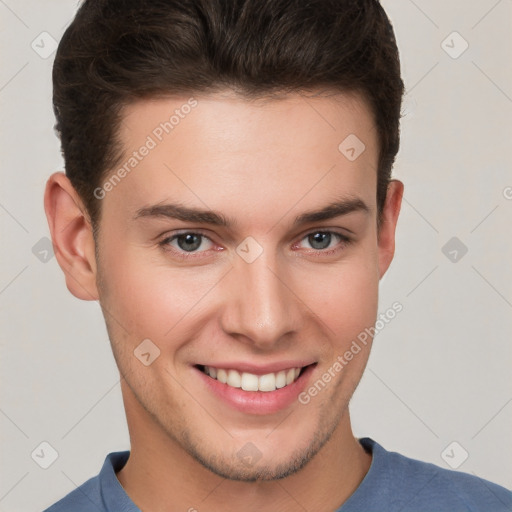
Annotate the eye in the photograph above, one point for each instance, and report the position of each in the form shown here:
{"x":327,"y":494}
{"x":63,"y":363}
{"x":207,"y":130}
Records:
{"x":188,"y":242}
{"x":323,"y":240}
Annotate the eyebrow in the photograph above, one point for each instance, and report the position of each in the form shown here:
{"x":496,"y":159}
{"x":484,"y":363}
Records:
{"x":186,"y":214}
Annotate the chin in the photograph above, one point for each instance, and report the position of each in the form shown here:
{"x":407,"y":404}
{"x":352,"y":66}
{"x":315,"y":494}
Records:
{"x":249,"y":463}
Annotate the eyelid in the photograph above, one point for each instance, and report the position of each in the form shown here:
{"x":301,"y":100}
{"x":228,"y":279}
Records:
{"x":176,"y":233}
{"x":164,"y":241}
{"x":337,"y":231}
{"x":200,"y":231}
{"x":344,"y":239}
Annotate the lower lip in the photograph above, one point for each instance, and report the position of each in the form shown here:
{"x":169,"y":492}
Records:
{"x":258,"y":402}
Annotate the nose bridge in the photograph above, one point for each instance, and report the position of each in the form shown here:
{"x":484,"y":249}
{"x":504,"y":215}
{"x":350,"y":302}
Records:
{"x":260,"y":306}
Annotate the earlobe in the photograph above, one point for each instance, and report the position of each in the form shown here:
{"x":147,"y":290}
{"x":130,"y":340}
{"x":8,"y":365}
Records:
{"x":386,"y":239}
{"x":72,"y":237}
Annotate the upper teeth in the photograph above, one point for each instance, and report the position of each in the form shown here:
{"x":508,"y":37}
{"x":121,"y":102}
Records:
{"x":251,"y":382}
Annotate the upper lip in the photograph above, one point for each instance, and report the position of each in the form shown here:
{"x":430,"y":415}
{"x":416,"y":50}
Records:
{"x":258,"y":369}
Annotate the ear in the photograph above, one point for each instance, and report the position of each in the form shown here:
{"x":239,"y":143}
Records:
{"x":386,"y":238}
{"x":72,"y":238}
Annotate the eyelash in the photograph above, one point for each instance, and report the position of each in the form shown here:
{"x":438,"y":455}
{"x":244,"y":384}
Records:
{"x":344,"y":241}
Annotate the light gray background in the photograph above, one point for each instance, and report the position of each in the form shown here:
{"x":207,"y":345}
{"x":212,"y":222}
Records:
{"x":440,"y":371}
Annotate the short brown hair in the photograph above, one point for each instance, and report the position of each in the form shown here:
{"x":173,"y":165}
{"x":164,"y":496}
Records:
{"x":118,"y":51}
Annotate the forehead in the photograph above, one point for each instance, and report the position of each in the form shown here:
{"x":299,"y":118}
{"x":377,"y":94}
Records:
{"x":214,"y":150}
{"x":230,"y":119}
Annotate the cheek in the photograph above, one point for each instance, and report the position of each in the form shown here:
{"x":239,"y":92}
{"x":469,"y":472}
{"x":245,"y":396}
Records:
{"x":344,"y":296}
{"x":157,"y":301}
{"x":151,"y":299}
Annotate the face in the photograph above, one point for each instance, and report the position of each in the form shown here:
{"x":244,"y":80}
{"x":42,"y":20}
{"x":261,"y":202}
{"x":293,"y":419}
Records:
{"x":239,"y":246}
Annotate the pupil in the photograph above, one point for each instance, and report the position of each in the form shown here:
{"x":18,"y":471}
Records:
{"x":189,"y":242}
{"x":320,"y":240}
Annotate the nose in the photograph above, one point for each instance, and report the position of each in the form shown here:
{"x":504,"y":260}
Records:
{"x":261,"y":308}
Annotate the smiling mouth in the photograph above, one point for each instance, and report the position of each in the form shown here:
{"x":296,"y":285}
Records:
{"x":251,"y":382}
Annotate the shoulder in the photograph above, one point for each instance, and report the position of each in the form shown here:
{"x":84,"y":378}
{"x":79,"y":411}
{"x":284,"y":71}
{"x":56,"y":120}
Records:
{"x":461,"y":491}
{"x":84,"y":498}
{"x":416,"y":486}
{"x":100,"y":492}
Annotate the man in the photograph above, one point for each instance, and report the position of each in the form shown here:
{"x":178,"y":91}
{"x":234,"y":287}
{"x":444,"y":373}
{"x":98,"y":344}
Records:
{"x":228,"y":201}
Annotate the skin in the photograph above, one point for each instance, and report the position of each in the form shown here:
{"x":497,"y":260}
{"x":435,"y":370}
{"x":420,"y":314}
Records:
{"x":260,"y":163}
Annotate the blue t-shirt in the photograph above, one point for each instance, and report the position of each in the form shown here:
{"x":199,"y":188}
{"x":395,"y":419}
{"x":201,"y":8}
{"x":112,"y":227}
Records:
{"x":394,"y":483}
